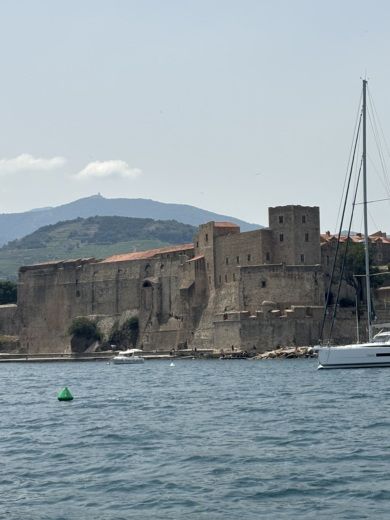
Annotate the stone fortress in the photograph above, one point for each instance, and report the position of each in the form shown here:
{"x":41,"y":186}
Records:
{"x":251,"y":291}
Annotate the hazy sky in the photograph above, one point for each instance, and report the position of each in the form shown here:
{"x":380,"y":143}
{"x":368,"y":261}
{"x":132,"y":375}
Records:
{"x":232,"y":106}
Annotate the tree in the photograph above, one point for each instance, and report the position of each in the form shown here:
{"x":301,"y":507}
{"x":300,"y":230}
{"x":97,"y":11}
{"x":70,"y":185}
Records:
{"x":355,"y":269}
{"x":125,"y":335}
{"x":85,"y":333}
{"x":8,"y":292}
{"x":85,"y":328}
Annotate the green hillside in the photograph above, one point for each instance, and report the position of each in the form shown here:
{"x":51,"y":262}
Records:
{"x":18,"y":225}
{"x":97,"y":237}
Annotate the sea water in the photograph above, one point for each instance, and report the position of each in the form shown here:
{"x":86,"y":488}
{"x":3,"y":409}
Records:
{"x":214,"y":439}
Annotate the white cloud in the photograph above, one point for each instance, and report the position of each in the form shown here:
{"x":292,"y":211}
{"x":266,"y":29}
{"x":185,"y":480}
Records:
{"x":103,"y":169}
{"x":26,"y":162}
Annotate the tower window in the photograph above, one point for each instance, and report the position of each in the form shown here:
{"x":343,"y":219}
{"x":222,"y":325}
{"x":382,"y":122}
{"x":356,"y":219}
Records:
{"x":249,"y":258}
{"x":281,"y":219}
{"x":303,"y":219}
{"x":238,"y":259}
{"x":281,"y":237}
{"x":227,"y":261}
{"x":267,"y":257}
{"x":207,"y":237}
{"x":263,"y":283}
{"x":302,"y":258}
{"x":306,"y":237}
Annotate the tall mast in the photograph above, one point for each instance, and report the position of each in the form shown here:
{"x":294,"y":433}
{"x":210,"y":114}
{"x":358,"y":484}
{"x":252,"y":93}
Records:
{"x":367,"y":259}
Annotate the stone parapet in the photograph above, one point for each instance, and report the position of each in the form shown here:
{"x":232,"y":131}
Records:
{"x":299,"y":311}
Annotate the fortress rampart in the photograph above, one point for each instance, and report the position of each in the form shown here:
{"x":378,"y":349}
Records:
{"x":252,"y":290}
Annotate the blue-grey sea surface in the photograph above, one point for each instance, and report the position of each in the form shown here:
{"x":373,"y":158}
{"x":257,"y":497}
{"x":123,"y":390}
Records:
{"x":214,"y":439}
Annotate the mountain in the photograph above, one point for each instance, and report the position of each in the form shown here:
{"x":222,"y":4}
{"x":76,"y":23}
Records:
{"x":97,"y":237}
{"x":17,"y":225}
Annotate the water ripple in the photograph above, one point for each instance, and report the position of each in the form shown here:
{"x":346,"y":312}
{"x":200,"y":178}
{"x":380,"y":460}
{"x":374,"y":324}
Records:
{"x":239,"y":440}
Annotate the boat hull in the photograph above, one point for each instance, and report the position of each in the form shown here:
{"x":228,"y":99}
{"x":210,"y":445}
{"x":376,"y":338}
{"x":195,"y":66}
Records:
{"x":127,"y":361}
{"x":354,"y":356}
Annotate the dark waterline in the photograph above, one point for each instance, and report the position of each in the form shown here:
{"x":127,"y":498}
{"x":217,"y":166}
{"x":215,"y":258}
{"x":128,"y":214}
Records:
{"x":204,"y":439}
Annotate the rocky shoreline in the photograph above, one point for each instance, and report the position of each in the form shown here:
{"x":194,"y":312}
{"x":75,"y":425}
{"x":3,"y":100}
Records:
{"x":279,"y":353}
{"x":288,"y":353}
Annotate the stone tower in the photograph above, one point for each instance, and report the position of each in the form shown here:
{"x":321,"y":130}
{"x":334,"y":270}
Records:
{"x":296,"y":234}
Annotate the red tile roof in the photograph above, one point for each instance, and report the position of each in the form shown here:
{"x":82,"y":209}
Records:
{"x":144,"y":255}
{"x":51,"y":263}
{"x":225,"y":225}
{"x":356,"y":239}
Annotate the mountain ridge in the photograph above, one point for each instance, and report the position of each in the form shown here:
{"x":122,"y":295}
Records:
{"x":18,"y":225}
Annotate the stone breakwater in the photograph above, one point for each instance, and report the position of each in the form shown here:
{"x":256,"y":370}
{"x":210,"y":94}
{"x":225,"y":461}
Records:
{"x":288,"y":353}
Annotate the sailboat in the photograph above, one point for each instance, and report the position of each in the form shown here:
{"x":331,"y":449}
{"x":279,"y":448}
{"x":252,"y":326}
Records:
{"x":376,"y":352}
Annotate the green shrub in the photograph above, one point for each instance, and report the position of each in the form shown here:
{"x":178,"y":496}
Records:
{"x":8,"y":292}
{"x":85,"y":328}
{"x":125,"y":335}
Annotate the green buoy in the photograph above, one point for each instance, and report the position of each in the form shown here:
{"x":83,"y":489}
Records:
{"x":65,"y":395}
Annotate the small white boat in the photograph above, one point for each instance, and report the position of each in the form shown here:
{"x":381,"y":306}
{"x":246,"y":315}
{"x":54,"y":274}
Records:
{"x":128,"y":357}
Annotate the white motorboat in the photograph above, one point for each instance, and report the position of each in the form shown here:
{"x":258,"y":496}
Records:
{"x":376,"y":352}
{"x":128,"y":357}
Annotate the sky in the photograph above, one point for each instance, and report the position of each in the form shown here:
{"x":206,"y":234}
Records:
{"x":230,"y":106}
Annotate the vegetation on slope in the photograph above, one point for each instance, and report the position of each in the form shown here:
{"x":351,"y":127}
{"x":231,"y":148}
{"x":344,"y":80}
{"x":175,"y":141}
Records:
{"x":8,"y":292}
{"x":17,"y":225}
{"x":97,"y":237}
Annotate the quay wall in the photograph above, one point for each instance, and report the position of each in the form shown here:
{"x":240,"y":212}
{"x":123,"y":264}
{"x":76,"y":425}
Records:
{"x":299,"y":326}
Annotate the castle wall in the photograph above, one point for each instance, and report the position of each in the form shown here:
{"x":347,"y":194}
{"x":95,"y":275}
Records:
{"x":284,"y":285}
{"x":298,"y":326}
{"x":204,"y":245}
{"x":9,"y":323}
{"x":173,"y":299}
{"x":50,"y":296}
{"x":179,"y":293}
{"x":267,"y":329}
{"x":236,"y":250}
